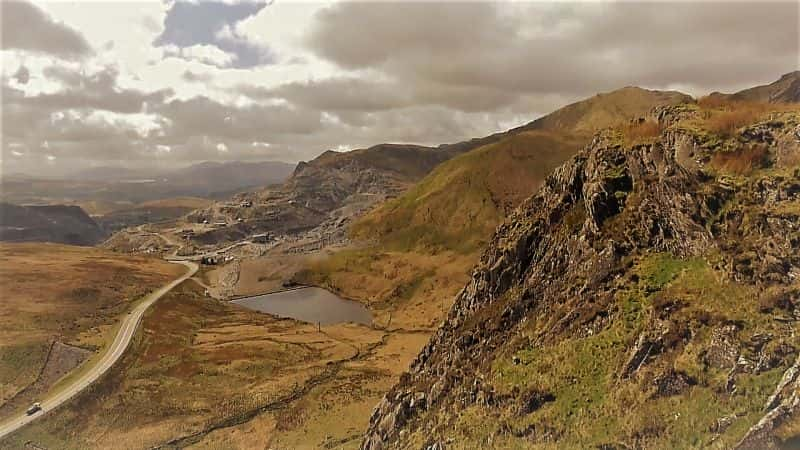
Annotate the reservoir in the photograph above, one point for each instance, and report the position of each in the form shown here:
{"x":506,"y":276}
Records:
{"x":309,"y":304}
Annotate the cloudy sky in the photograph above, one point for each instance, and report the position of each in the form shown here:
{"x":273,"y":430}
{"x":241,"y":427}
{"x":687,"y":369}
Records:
{"x":173,"y":82}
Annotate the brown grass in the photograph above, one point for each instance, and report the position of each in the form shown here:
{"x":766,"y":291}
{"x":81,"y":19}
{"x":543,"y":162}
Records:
{"x":199,"y":361}
{"x":642,"y":131}
{"x":741,"y":161}
{"x":65,"y":293}
{"x":726,"y":123}
{"x":724,"y":116}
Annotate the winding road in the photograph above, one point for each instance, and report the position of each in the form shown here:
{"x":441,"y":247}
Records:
{"x":112,"y":355}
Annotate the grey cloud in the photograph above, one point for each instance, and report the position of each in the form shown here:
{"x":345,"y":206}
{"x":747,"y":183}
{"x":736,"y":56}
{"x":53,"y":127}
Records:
{"x":513,"y":49}
{"x":204,"y":116}
{"x":341,"y":95}
{"x":95,"y":91}
{"x":26,"y":27}
{"x":358,"y":35}
{"x":336,"y":94}
{"x":214,"y":23}
{"x":421,"y":73}
{"x":22,"y":75}
{"x":30,"y":118}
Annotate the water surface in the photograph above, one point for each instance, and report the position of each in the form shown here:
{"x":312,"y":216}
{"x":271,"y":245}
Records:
{"x":309,"y":304}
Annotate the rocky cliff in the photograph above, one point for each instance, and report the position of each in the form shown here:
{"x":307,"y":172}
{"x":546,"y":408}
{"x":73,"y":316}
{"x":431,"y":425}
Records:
{"x":646,"y":297}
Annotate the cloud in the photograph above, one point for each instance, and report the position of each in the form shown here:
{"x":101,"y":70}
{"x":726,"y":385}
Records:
{"x":309,"y":77}
{"x":196,"y":77}
{"x":96,"y":91}
{"x":365,"y":95}
{"x":213,"y":24}
{"x":26,"y":27}
{"x":572,"y":49}
{"x":205,"y":54}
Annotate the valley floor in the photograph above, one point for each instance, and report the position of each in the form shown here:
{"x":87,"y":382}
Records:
{"x":207,"y":374}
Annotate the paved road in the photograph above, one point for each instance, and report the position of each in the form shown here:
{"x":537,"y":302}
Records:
{"x":112,"y":355}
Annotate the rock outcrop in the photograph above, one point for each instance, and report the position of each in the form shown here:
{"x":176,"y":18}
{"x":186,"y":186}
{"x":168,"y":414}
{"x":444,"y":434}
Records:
{"x":643,"y":277}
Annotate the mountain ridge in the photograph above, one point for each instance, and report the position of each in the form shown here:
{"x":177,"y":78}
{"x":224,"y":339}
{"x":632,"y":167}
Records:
{"x":625,"y":285}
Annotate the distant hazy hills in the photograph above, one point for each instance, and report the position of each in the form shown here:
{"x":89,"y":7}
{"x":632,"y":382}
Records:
{"x":119,"y":197}
{"x":227,"y":175}
{"x":126,"y":185}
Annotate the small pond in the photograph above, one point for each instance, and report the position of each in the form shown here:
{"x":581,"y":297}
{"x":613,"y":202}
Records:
{"x":309,"y":304}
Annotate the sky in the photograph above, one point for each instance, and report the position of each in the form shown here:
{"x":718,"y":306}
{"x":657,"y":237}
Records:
{"x":169,"y":83}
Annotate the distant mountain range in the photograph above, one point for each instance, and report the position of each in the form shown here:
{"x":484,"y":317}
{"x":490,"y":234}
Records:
{"x":245,"y":173}
{"x":125,"y":185}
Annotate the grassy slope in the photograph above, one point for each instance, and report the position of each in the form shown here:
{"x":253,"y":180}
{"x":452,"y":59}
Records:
{"x":460,"y":203}
{"x":67,"y":293}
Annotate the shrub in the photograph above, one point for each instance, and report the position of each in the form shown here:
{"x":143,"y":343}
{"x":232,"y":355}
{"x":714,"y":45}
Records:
{"x":725,"y":123}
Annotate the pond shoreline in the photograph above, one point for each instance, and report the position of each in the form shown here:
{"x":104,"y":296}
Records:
{"x":275,"y":291}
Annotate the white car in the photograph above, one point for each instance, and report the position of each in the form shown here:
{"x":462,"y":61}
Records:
{"x":34,"y":408}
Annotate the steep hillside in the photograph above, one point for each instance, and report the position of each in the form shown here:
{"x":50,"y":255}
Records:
{"x":646,"y":297}
{"x":460,"y":203}
{"x":52,"y":223}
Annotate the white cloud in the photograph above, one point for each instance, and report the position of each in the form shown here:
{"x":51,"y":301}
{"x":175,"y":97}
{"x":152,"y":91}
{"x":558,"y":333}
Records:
{"x":204,"y":54}
{"x":221,"y":147}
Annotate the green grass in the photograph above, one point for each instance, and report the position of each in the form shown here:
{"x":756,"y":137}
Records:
{"x":660,"y":269}
{"x":459,"y":204}
{"x":593,"y":405}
